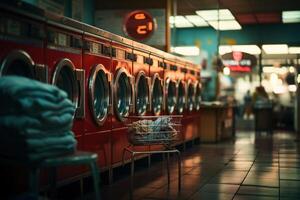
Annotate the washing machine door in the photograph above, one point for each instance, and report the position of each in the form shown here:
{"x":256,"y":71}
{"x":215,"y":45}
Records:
{"x":198,"y":97}
{"x":190,"y":96}
{"x":142,"y":93}
{"x":67,"y":78}
{"x":19,"y":63}
{"x":170,"y":95}
{"x":122,"y":94}
{"x":99,"y":98}
{"x":181,"y":98}
{"x":157,"y":95}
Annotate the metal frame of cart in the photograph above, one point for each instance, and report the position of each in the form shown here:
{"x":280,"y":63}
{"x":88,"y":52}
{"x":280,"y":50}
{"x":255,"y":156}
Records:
{"x":164,"y":137}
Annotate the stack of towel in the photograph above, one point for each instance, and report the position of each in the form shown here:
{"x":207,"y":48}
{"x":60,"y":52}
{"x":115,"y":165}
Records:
{"x":35,"y":120}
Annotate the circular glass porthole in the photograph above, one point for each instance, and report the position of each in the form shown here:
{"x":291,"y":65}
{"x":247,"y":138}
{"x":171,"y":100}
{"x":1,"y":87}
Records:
{"x":65,"y":79}
{"x":157,"y":96}
{"x":99,"y":94}
{"x":18,"y":63}
{"x":180,"y":98}
{"x":142,"y":92}
{"x":198,"y":96}
{"x":123,"y":95}
{"x":191,"y":97}
{"x":171,"y":96}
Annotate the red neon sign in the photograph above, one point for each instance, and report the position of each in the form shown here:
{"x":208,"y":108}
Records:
{"x":139,"y":25}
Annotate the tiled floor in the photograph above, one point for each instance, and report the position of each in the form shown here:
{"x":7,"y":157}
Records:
{"x":253,"y":167}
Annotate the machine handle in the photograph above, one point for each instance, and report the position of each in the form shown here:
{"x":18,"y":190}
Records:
{"x":80,"y":111}
{"x":41,"y":72}
{"x":110,"y":103}
{"x":131,"y":104}
{"x":149,"y":103}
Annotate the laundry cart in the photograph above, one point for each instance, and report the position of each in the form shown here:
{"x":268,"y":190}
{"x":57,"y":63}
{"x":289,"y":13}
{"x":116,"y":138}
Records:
{"x":154,"y":130}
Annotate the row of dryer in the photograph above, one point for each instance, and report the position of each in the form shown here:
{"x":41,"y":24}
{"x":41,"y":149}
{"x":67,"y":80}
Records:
{"x":108,"y":77}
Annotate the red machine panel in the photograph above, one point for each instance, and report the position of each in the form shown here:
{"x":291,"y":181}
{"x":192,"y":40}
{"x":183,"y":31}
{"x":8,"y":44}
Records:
{"x":22,"y":42}
{"x":97,"y":54}
{"x":63,"y":55}
{"x":123,"y":96}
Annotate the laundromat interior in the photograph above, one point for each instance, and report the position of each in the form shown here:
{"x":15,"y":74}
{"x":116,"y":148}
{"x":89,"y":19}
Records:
{"x":150,"y":100}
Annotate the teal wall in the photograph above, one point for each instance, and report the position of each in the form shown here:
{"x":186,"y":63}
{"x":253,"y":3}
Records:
{"x":251,"y":34}
{"x":206,"y":37}
{"x":88,"y":9}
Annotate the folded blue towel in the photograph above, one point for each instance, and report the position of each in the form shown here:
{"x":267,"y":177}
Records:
{"x":23,"y":122}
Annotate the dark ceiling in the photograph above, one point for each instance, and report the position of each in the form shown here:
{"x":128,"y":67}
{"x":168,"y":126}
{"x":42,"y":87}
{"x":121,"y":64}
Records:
{"x":245,"y":11}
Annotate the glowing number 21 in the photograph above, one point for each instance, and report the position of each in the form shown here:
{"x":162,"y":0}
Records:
{"x":143,"y":28}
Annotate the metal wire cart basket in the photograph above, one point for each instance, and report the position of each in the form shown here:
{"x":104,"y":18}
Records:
{"x":150,"y":130}
{"x":154,"y":130}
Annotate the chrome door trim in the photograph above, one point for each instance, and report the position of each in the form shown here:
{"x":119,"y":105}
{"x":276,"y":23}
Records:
{"x":198,"y":87}
{"x":91,"y":82}
{"x":168,"y":81}
{"x":67,"y":63}
{"x":180,"y":110}
{"x":129,"y":87}
{"x":156,"y":77}
{"x":17,"y":55}
{"x":138,"y":78}
{"x":190,"y":107}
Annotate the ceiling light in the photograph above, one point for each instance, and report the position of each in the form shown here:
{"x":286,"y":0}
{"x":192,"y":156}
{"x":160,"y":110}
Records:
{"x":196,"y":20}
{"x":186,"y":50}
{"x":223,"y":49}
{"x":294,"y":50}
{"x":180,"y":22}
{"x":251,"y":49}
{"x":225,"y":25}
{"x":275,"y":48}
{"x":291,"y":16}
{"x":212,"y":15}
{"x":226,"y":71}
{"x":292,"y":88}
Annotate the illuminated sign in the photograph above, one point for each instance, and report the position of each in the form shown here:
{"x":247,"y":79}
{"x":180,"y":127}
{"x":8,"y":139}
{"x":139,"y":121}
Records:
{"x":139,"y":25}
{"x":239,"y":61}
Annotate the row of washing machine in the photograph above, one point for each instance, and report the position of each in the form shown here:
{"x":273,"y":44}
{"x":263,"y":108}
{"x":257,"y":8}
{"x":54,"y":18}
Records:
{"x":108,"y":77}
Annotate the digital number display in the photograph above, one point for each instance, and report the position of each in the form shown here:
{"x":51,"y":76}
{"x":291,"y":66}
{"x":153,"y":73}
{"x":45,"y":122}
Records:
{"x":139,"y":25}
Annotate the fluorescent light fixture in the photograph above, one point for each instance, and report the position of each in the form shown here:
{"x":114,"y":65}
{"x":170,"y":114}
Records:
{"x":225,"y":25}
{"x":180,"y":22}
{"x":186,"y":50}
{"x":294,"y":50}
{"x":292,"y":70}
{"x":223,"y":49}
{"x":291,"y":16}
{"x":275,"y":48}
{"x":196,"y":20}
{"x":226,"y":71}
{"x":292,"y":88}
{"x":251,"y":49}
{"x":212,"y":15}
{"x":298,"y":78}
{"x":277,"y":70}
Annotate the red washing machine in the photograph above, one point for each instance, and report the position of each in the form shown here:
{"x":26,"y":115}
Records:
{"x":96,"y":58}
{"x":140,"y":70}
{"x":181,"y":87}
{"x":63,"y":55}
{"x":198,"y":100}
{"x":181,"y":107}
{"x":170,"y":74}
{"x":190,"y":119}
{"x":156,"y":73}
{"x":123,"y":95}
{"x":22,"y":30}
